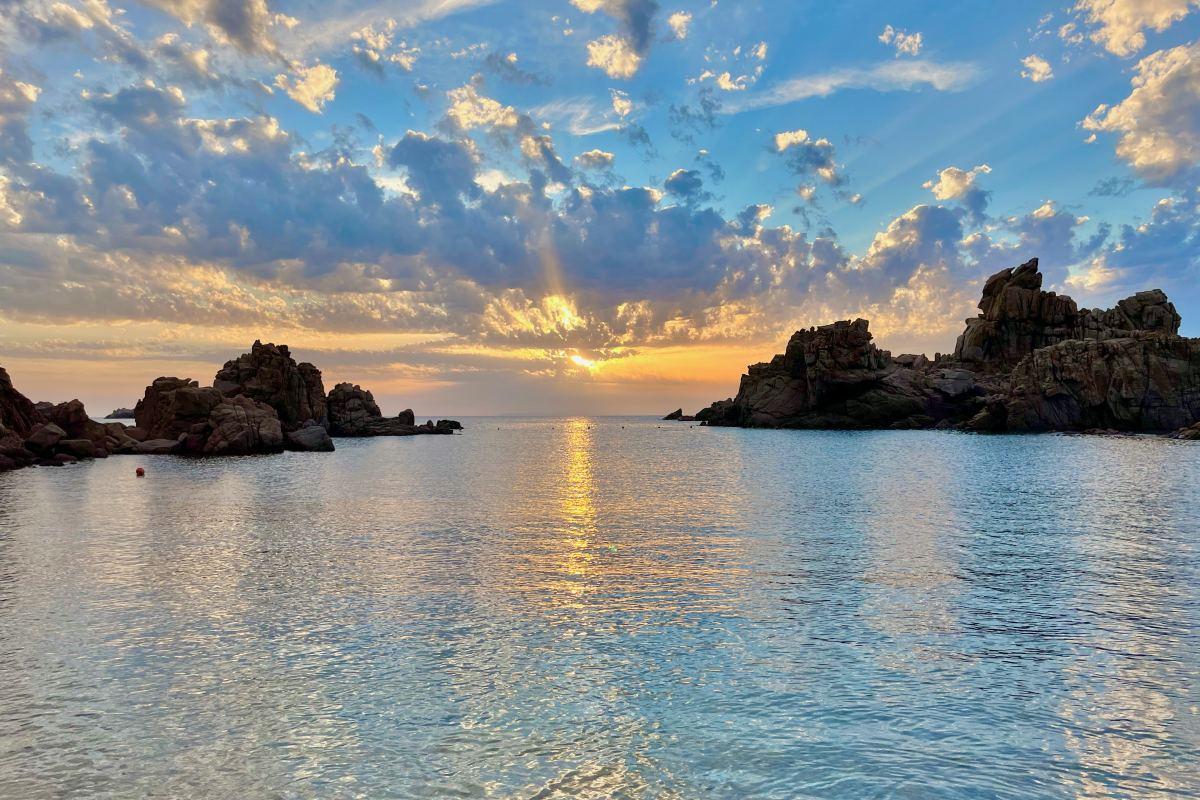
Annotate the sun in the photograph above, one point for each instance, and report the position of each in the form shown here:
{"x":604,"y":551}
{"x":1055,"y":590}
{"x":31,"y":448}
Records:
{"x":586,"y":363}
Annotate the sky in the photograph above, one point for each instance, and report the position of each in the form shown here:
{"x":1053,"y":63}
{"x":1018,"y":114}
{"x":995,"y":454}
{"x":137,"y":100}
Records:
{"x":569,"y":206}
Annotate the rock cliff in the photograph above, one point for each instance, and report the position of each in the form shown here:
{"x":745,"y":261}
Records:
{"x":1031,"y":361}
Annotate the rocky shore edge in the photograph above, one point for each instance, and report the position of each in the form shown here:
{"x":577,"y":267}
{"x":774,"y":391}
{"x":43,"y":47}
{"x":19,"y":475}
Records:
{"x":259,"y":402}
{"x":1032,"y":361}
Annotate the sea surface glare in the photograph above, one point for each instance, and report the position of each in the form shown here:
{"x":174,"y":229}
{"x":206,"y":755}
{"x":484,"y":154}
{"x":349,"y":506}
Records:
{"x":608,"y":608}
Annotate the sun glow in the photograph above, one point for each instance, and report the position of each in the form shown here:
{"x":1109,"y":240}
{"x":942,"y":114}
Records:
{"x":586,"y":363}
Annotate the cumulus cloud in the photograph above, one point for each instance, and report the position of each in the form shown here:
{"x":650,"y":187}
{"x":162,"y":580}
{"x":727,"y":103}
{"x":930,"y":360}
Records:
{"x":1158,"y":124}
{"x":906,"y":44}
{"x":1036,"y":69}
{"x":595,"y":159}
{"x":16,"y":98}
{"x":311,"y":87}
{"x":960,"y":184}
{"x":614,"y":55}
{"x":375,"y":46}
{"x":1119,"y":26}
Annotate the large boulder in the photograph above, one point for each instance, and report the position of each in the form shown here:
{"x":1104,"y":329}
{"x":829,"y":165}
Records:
{"x":73,"y":418}
{"x":17,"y":413}
{"x":270,"y":375}
{"x":44,"y":438}
{"x":238,"y":426}
{"x":312,"y":439}
{"x":350,"y":408}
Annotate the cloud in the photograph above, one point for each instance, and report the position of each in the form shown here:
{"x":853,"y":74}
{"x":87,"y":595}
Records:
{"x":687,"y":186}
{"x":595,"y":159}
{"x":506,"y":67}
{"x":679,"y":22}
{"x":807,"y":156}
{"x":373,"y":45}
{"x":906,"y":44}
{"x":621,"y":103}
{"x":470,"y":109}
{"x":1158,"y":124}
{"x":311,"y":87}
{"x":581,"y":116}
{"x":16,"y":99}
{"x":1037,"y":69}
{"x":614,"y":55}
{"x":620,"y":55}
{"x":1120,"y":25}
{"x":245,"y":24}
{"x":959,"y":184}
{"x":889,"y":76}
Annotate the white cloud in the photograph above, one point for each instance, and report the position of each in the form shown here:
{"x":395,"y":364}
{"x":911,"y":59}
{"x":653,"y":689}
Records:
{"x":621,"y":103}
{"x":786,"y":139}
{"x":679,"y":22}
{"x":581,"y":116}
{"x":1120,"y":25}
{"x":311,"y":87}
{"x":907,"y":44}
{"x":614,"y":55}
{"x":1159,"y":122}
{"x":889,"y":76}
{"x":953,"y":183}
{"x":595,"y":159}
{"x":1037,"y":69}
{"x":469,"y":109}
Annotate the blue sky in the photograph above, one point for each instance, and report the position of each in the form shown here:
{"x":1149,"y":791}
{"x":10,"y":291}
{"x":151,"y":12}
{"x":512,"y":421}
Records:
{"x":570,"y":205}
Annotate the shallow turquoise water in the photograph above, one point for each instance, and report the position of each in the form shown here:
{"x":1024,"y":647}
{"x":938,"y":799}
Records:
{"x":609,"y":608}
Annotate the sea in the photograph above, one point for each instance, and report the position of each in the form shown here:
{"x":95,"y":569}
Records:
{"x":608,"y":608}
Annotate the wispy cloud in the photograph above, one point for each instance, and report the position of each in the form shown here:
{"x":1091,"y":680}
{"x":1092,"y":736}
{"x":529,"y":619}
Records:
{"x":333,"y":26}
{"x":890,"y":76}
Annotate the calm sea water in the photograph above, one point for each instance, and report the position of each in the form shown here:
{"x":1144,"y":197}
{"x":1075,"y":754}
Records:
{"x":608,"y":608}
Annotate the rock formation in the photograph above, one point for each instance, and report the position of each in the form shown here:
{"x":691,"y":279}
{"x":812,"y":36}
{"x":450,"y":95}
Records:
{"x":203,"y":421}
{"x":678,"y":416}
{"x":353,"y":412}
{"x":1031,"y":361}
{"x":270,"y":375}
{"x":121,"y":413}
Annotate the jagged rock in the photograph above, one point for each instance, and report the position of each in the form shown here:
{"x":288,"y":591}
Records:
{"x":44,"y":438}
{"x":311,"y":439}
{"x":350,"y":408}
{"x":172,"y":406}
{"x":43,"y":407}
{"x":17,"y":412}
{"x":449,"y":425}
{"x":406,"y":417}
{"x":1031,"y":361}
{"x":1147,"y":382}
{"x":121,"y":413}
{"x":270,"y":375}
{"x":73,"y":418}
{"x":674,"y":415}
{"x":204,"y":421}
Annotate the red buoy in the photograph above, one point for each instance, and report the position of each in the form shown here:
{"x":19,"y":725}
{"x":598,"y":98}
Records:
{"x":141,"y":473}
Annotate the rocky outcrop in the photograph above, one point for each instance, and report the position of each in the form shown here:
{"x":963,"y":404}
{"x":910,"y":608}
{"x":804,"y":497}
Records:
{"x":678,"y":416}
{"x":1019,"y":318}
{"x":270,"y":375}
{"x":349,"y":407}
{"x":353,"y":412}
{"x":1144,"y":382}
{"x":313,"y":439}
{"x":121,"y":413}
{"x":203,"y":421}
{"x":1032,"y":361}
{"x":17,"y":414}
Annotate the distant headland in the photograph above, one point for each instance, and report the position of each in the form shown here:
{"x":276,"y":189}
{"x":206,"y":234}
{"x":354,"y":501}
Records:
{"x":260,"y":402}
{"x":1031,"y":361}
